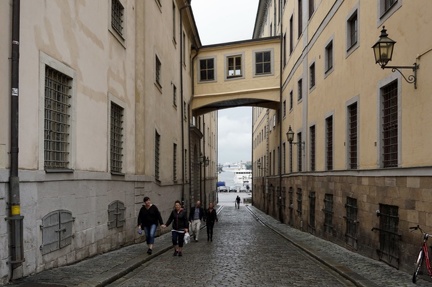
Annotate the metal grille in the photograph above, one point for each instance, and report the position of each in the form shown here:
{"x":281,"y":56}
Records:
{"x":234,"y":66}
{"x":312,"y":76}
{"x":388,"y":233}
{"x":329,"y":142}
{"x":291,"y":100}
{"x":312,"y":148}
{"x":329,"y":56}
{"x":328,"y":213}
{"x":351,"y":222}
{"x":352,"y":125}
{"x":300,"y":18}
{"x":158,"y":71}
{"x":117,"y":10}
{"x":207,"y":69}
{"x":284,"y":157}
{"x":312,"y":209}
{"x":157,"y":155}
{"x":299,"y":152}
{"x":262,"y":63}
{"x":390,"y":125}
{"x":291,"y":205}
{"x":116,"y":145}
{"x":175,"y":162}
{"x":300,"y":89}
{"x":299,"y":201}
{"x":353,"y":29}
{"x":174,"y":96}
{"x":290,"y":158}
{"x":56,"y":126}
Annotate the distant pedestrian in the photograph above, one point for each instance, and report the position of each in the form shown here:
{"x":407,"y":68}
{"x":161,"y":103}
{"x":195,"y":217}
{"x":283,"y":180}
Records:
{"x":180,"y":226}
{"x":148,"y":219}
{"x":238,"y":201}
{"x":195,"y":216}
{"x":210,"y":219}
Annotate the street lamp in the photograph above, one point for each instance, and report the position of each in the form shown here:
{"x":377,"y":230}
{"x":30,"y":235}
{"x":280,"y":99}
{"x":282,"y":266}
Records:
{"x":205,"y":160}
{"x":290,"y":137}
{"x":383,"y":51}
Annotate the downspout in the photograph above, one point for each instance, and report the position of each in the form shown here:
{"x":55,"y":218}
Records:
{"x":280,"y":113}
{"x":15,"y":219}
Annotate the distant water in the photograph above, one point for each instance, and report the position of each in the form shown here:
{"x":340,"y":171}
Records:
{"x":228,"y":177}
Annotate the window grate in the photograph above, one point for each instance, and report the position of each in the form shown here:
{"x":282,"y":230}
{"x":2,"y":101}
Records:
{"x":299,"y":201}
{"x":300,"y":89}
{"x":390,"y":125}
{"x":300,"y":17}
{"x":328,"y":213}
{"x":352,"y":130}
{"x":389,"y":239}
{"x":291,"y":100}
{"x":158,"y":72}
{"x":312,"y":148}
{"x":312,"y":76}
{"x":57,"y":114}
{"x":207,"y":70}
{"x":351,"y":222}
{"x":291,"y":205}
{"x":299,"y":152}
{"x":116,"y":138}
{"x":329,"y":142}
{"x":117,"y":11}
{"x":352,"y":30}
{"x":312,"y":200}
{"x":263,"y":63}
{"x":157,"y":155}
{"x":329,"y":56}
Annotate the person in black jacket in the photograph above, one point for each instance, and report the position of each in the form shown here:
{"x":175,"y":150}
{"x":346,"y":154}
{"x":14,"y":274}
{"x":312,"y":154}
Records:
{"x":148,"y":219}
{"x":180,"y":226}
{"x":210,"y":219}
{"x":195,"y":216}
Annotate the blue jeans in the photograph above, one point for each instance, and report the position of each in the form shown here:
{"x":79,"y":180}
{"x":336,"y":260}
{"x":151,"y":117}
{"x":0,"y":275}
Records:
{"x":177,"y":237}
{"x":150,"y":232}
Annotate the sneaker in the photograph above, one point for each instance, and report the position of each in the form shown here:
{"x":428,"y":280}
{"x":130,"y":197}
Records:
{"x":180,"y":254}
{"x":175,"y":253}
{"x":149,"y":251}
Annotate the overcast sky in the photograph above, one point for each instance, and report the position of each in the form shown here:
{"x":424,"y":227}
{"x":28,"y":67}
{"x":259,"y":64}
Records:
{"x":221,"y":21}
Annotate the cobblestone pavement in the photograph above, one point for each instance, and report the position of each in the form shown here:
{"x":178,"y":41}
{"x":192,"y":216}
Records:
{"x":243,"y":252}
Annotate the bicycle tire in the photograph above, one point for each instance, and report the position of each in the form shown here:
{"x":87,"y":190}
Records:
{"x":419,"y":264}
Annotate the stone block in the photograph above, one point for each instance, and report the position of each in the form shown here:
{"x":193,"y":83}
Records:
{"x":426,"y":182}
{"x":413,"y":182}
{"x":390,"y":181}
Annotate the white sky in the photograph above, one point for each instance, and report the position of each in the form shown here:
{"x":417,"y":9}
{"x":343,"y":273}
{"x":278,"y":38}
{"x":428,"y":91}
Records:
{"x":221,"y":21}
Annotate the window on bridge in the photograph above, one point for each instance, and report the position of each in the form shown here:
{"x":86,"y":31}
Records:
{"x":234,"y":66}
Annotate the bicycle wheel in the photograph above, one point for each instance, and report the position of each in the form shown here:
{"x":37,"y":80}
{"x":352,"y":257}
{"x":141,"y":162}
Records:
{"x":419,"y":264}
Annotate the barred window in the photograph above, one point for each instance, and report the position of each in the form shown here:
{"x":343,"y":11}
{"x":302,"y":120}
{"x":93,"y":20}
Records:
{"x":116,"y":145}
{"x":56,"y":230}
{"x":290,"y":158}
{"x":157,"y":155}
{"x":351,"y":222}
{"x":300,"y":89}
{"x":312,"y":76}
{"x":291,"y":205}
{"x":312,"y":148}
{"x":207,"y":70}
{"x":117,"y":14}
{"x":234,"y":66}
{"x":291,"y":100}
{"x":299,"y":152}
{"x":352,"y":136}
{"x":299,"y":201}
{"x":116,"y":214}
{"x":284,"y":108}
{"x":158,"y":67}
{"x":174,"y":95}
{"x":389,"y":238}
{"x":300,"y":17}
{"x":175,"y":162}
{"x":329,"y":57}
{"x":352,"y":30}
{"x":329,"y":142}
{"x":57,"y":118}
{"x":312,"y":209}
{"x":328,"y":213}
{"x":390,"y":125}
{"x":262,"y":63}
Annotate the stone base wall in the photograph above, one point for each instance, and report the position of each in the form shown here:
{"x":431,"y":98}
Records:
{"x":409,"y":197}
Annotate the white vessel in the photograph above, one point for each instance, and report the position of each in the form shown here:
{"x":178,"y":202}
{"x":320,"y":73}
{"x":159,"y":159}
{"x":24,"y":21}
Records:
{"x":243,"y":177}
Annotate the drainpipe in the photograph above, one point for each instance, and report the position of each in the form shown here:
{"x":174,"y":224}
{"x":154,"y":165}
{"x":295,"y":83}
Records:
{"x":187,"y":5}
{"x":15,"y":219}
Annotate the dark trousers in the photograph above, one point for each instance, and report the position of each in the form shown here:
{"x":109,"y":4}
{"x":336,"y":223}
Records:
{"x":177,"y":238}
{"x":210,"y":226}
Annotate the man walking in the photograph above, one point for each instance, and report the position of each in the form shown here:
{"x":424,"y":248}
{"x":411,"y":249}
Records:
{"x":195,"y":216}
{"x":238,"y":202}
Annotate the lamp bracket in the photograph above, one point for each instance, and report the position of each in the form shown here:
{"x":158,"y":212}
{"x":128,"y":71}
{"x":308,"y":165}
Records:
{"x":412,"y":79}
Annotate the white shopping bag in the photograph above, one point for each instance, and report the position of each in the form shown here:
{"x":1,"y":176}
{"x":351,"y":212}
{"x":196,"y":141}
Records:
{"x":187,"y":238}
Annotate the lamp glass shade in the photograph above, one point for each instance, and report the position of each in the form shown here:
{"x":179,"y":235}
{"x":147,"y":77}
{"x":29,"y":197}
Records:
{"x":290,"y":135}
{"x":383,"y":49}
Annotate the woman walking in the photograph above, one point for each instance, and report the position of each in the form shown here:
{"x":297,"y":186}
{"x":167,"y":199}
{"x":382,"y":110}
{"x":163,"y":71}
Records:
{"x":148,"y":219}
{"x":211,"y":218}
{"x":180,"y":226}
